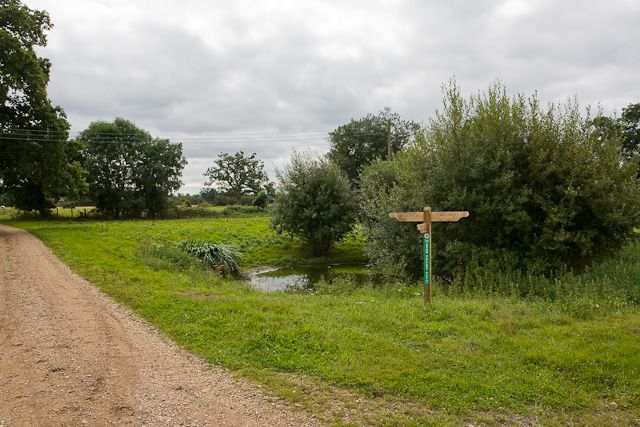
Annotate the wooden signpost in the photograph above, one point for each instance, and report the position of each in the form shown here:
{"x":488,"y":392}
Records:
{"x":425,"y":218}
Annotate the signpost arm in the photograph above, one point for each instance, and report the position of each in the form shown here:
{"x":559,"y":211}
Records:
{"x":427,"y":254}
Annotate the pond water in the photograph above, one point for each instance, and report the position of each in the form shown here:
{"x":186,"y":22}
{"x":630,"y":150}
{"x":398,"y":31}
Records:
{"x":303,"y":277}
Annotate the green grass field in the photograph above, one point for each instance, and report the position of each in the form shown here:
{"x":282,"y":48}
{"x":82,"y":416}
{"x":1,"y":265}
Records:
{"x":377,"y":355}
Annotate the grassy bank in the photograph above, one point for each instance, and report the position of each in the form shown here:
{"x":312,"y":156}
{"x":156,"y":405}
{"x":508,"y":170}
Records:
{"x":378,"y":356}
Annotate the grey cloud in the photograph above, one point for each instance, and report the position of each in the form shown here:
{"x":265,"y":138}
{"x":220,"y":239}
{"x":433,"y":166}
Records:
{"x":205,"y":69}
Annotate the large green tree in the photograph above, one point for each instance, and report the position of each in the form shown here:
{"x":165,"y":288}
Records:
{"x":237,"y":174}
{"x":38,"y":164}
{"x":315,"y":202}
{"x":130,"y":172}
{"x":357,"y":143}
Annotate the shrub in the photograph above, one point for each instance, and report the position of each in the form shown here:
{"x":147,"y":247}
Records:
{"x":217,"y":256}
{"x":315,"y":203}
{"x":261,"y":201}
{"x":545,"y":194}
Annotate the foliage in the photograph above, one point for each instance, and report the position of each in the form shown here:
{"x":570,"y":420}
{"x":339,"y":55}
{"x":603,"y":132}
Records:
{"x":215,"y":197}
{"x":261,"y":201}
{"x":214,"y":255}
{"x":6,"y":199}
{"x":159,"y":169}
{"x":314,"y":203}
{"x":630,"y":124}
{"x":186,"y":200}
{"x":130,"y":173}
{"x":392,"y":248}
{"x":359,"y":142}
{"x":37,"y":163}
{"x":204,"y":210}
{"x":209,"y":195}
{"x":237,"y":174}
{"x":605,"y":128}
{"x":265,"y":197}
{"x":545,"y":191}
{"x":626,"y":127}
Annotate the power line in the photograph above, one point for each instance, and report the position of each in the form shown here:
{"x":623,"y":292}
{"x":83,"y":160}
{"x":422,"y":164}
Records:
{"x":178,"y":134}
{"x":210,"y":135}
{"x":137,"y":141}
{"x":106,"y":139}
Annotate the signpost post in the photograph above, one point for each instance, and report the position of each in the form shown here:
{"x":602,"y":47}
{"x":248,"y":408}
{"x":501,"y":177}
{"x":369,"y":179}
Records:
{"x":425,"y":218}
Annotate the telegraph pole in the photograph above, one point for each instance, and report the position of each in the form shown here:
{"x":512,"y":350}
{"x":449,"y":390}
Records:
{"x":388,"y":139}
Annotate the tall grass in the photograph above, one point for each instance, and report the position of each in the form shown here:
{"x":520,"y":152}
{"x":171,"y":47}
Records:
{"x":214,"y":255}
{"x":608,"y":285}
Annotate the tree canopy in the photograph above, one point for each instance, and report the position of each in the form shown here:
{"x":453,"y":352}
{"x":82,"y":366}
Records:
{"x":315,"y":203}
{"x":357,"y":143}
{"x":130,"y":172}
{"x":38,"y":164}
{"x":237,"y":174}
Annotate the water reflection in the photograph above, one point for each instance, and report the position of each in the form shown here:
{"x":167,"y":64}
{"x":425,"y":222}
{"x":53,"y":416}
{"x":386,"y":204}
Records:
{"x":301,"y":278}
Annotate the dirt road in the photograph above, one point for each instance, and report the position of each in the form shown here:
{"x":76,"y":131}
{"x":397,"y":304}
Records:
{"x":71,"y":356}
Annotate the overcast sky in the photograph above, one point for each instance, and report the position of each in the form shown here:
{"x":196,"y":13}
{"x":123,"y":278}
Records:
{"x":272,"y":76}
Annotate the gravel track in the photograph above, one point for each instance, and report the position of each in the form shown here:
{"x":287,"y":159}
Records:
{"x":69,"y":355}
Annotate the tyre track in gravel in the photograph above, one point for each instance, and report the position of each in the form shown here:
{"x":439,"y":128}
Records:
{"x":71,"y":356}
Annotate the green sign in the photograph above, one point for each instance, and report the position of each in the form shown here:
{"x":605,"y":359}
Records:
{"x":427,"y":259}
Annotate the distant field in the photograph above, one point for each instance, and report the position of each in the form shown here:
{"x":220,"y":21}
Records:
{"x":376,"y":355}
{"x":9,"y":213}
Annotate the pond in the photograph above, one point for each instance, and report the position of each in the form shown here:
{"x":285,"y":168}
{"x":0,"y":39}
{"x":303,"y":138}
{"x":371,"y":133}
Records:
{"x":303,"y":277}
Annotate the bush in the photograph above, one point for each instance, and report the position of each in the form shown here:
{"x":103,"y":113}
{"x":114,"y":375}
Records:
{"x":315,"y":203}
{"x":545,"y":194}
{"x":261,"y":201}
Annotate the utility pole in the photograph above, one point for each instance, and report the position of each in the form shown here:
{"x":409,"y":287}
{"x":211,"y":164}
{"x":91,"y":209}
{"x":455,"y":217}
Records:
{"x":388,"y":139}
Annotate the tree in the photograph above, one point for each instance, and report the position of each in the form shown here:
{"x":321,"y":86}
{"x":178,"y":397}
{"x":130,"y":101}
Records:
{"x":357,"y":143}
{"x":261,"y":200}
{"x":626,"y":128}
{"x":237,"y":174}
{"x":265,"y":197}
{"x":315,"y":203}
{"x":38,"y":165}
{"x":159,"y":168}
{"x":630,"y":124}
{"x":130,"y":173}
{"x":604,"y":128}
{"x":546,"y":192}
